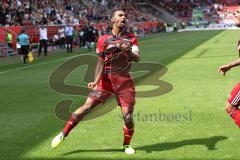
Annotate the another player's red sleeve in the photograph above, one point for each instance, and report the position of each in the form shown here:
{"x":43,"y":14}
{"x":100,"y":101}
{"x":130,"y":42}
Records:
{"x":134,"y":41}
{"x":100,"y":48}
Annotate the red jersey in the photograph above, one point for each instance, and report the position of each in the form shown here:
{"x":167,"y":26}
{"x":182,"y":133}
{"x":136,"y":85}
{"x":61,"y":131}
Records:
{"x":116,"y":78}
{"x":116,"y":61}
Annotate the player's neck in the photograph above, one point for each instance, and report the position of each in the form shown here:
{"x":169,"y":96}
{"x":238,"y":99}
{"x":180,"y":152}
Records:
{"x":117,"y":32}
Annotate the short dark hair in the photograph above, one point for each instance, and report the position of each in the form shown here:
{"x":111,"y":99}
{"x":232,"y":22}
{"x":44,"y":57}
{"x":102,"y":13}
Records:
{"x":23,"y":30}
{"x":114,"y":11}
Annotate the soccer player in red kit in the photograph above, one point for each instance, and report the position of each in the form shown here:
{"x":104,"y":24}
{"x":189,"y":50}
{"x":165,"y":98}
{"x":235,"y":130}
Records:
{"x":234,"y":97}
{"x":116,"y":51}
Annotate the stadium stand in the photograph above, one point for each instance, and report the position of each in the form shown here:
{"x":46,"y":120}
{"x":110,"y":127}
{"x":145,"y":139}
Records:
{"x":29,"y":14}
{"x":58,"y":12}
{"x":213,"y":11}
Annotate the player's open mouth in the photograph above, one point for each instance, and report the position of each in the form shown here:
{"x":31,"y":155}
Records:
{"x":123,"y":22}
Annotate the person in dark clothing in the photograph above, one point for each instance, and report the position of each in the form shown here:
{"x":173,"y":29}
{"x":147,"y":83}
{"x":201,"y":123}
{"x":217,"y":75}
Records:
{"x":61,"y":37}
{"x":90,"y":36}
{"x":81,"y":38}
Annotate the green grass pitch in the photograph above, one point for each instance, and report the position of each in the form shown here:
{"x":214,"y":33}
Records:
{"x":203,"y":131}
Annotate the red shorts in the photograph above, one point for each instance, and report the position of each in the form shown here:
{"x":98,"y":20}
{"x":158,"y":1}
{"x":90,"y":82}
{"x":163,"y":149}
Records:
{"x":234,"y":97}
{"x":121,"y":85}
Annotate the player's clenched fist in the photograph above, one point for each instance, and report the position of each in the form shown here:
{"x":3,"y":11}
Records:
{"x":92,"y":85}
{"x":223,"y":69}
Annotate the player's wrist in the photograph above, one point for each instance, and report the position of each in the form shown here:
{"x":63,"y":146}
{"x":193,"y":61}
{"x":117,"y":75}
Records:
{"x":229,"y":66}
{"x":95,"y":82}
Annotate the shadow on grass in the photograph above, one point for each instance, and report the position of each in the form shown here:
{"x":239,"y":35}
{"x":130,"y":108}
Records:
{"x":210,"y":143}
{"x":209,"y":57}
{"x":15,"y":62}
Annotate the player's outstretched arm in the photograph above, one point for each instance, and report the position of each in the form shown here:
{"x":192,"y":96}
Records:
{"x":98,"y":74}
{"x":223,"y":69}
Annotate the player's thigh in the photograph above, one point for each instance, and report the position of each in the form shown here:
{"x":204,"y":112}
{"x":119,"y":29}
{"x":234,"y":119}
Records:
{"x":95,"y":98}
{"x":234,"y":97}
{"x":87,"y":106}
{"x":99,"y":95}
{"x":126,"y":97}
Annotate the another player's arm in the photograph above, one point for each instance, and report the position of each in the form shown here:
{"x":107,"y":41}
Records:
{"x":223,"y":69}
{"x":98,"y":74}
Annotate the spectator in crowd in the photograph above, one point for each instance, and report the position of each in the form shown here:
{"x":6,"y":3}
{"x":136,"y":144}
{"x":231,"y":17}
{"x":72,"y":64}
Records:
{"x":135,"y":30}
{"x":175,"y":27}
{"x":84,"y":31}
{"x":90,"y":36}
{"x":61,"y":37}
{"x":28,"y":12}
{"x":43,"y":40}
{"x":69,"y":32}
{"x":9,"y":39}
{"x":81,"y":38}
{"x":55,"y":41}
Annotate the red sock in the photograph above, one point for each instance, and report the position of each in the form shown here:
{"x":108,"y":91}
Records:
{"x":235,"y":114}
{"x":71,"y":123}
{"x":128,"y":133}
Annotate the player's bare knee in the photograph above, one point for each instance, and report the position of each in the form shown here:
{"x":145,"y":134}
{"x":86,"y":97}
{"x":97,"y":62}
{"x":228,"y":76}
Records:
{"x":87,"y":107}
{"x":81,"y":110}
{"x":75,"y":115}
{"x":78,"y":113}
{"x":128,"y":118}
{"x":228,"y":107}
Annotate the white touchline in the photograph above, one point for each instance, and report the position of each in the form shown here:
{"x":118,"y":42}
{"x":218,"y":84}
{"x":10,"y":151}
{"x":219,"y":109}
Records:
{"x":34,"y":65}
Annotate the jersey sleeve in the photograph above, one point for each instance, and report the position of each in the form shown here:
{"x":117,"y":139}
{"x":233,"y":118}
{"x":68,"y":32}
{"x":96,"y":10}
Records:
{"x":134,"y":41}
{"x":100,"y":48}
{"x":134,"y":44}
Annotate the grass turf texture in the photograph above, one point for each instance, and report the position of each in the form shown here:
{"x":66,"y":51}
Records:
{"x":204,"y":131}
